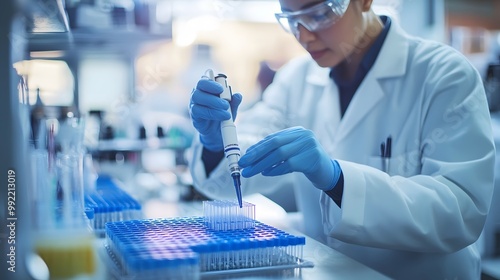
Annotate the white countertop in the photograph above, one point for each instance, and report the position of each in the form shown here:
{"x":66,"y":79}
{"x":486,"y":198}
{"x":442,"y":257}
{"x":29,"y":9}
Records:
{"x":328,"y":263}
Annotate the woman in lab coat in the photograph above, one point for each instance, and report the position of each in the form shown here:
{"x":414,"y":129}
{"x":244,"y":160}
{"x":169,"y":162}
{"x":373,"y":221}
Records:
{"x":414,"y":213}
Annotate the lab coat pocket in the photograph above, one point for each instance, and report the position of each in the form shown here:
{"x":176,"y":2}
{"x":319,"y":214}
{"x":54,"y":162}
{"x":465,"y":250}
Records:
{"x":406,"y":164}
{"x":376,"y":162}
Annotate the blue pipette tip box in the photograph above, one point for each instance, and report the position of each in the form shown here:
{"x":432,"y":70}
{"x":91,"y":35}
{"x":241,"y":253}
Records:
{"x":152,"y":247}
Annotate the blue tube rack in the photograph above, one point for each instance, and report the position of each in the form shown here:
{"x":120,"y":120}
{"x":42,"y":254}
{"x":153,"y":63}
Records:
{"x":136,"y":246}
{"x":109,"y":203}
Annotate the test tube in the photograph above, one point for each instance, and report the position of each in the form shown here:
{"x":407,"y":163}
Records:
{"x":227,"y":215}
{"x":70,"y":175}
{"x":44,"y":192}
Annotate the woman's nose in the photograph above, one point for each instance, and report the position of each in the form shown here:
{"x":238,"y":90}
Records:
{"x":303,"y":35}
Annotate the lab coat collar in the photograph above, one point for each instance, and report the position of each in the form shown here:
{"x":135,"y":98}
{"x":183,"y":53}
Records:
{"x":390,"y":63}
{"x":395,"y":46}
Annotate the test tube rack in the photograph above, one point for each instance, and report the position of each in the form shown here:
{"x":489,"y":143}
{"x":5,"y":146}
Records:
{"x":187,"y":247}
{"x":110,"y":203}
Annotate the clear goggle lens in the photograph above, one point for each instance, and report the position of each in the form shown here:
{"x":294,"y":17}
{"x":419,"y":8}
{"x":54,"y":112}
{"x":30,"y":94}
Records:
{"x":315,"y":18}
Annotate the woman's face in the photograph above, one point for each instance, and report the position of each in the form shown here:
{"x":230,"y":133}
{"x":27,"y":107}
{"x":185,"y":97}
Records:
{"x":329,"y":46}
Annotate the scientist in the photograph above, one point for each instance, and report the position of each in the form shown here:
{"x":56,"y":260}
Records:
{"x":387,"y":138}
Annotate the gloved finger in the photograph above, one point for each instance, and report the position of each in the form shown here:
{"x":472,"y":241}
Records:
{"x":282,"y":158}
{"x":209,"y":86}
{"x":206,"y":127}
{"x":264,"y":163}
{"x":281,"y":137}
{"x":235,"y":103}
{"x":199,"y":97}
{"x":270,"y":143}
{"x":299,"y":162}
{"x":277,"y":170}
{"x":199,"y":112}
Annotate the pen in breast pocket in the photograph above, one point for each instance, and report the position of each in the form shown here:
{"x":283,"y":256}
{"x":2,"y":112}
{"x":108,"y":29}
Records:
{"x":385,"y":153}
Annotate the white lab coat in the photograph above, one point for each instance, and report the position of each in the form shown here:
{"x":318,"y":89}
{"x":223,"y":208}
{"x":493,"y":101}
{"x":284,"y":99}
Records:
{"x":418,"y":221}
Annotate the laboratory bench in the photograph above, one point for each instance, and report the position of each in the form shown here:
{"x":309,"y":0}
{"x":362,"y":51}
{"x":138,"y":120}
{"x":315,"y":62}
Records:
{"x":320,"y":261}
{"x":326,"y":264}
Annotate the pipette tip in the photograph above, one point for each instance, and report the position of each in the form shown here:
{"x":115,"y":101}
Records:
{"x":237,"y":186}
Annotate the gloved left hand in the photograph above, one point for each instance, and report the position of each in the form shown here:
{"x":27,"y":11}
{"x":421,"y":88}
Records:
{"x":289,"y":150}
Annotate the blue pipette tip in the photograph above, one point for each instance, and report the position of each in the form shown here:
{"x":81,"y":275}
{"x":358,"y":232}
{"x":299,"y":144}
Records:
{"x":237,"y":186}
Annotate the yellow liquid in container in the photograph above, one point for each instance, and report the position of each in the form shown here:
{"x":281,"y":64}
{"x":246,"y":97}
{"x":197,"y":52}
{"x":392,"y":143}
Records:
{"x":67,"y":255}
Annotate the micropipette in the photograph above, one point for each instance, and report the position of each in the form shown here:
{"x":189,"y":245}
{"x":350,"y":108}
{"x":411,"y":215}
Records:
{"x":229,"y":136}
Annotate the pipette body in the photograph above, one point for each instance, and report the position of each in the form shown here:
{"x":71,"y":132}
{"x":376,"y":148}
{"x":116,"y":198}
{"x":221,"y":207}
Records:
{"x":230,"y":138}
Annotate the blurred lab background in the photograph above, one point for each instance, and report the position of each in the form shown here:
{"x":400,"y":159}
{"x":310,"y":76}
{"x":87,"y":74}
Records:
{"x":126,"y":68}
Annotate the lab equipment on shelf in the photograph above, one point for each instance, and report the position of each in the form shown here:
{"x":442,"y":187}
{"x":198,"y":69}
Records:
{"x":188,"y":248}
{"x":63,"y":235}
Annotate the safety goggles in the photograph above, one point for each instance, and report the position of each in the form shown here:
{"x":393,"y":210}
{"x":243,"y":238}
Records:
{"x":315,"y":18}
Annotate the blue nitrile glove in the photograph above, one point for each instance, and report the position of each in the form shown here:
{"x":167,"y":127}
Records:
{"x":289,"y":150}
{"x":207,"y":110}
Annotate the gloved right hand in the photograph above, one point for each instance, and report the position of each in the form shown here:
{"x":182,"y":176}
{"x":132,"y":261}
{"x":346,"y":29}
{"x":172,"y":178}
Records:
{"x":207,"y":110}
